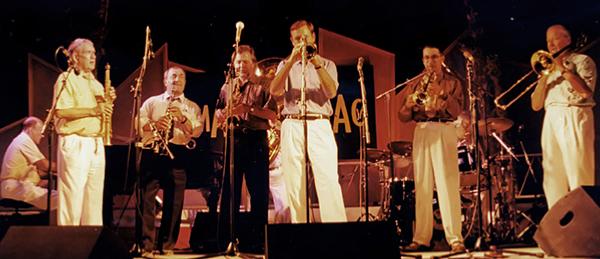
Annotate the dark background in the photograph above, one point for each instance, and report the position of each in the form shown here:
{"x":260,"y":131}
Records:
{"x":200,"y":34}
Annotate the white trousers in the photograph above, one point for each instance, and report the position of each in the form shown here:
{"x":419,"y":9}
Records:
{"x":567,"y":150}
{"x":436,"y":161}
{"x":279,"y":192}
{"x":80,"y":180}
{"x":28,"y":192}
{"x":322,"y":153}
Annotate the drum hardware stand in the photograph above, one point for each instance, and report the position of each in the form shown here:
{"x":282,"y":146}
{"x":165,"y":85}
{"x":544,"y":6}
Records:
{"x":530,"y":171}
{"x":504,"y":213}
{"x":529,"y":168}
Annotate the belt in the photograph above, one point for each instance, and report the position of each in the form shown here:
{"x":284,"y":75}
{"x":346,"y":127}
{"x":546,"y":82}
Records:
{"x":246,"y":130}
{"x":435,"y":120}
{"x":309,"y":117}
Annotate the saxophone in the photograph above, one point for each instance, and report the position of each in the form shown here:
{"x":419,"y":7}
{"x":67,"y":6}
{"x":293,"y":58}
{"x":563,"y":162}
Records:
{"x":106,"y":126}
{"x":421,"y":97}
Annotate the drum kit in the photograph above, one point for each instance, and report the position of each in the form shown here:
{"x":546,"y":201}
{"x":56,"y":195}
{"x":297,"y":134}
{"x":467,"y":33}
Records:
{"x":398,"y":194}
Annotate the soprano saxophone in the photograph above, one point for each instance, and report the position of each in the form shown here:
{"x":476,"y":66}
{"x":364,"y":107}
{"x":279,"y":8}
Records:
{"x":106,"y":127}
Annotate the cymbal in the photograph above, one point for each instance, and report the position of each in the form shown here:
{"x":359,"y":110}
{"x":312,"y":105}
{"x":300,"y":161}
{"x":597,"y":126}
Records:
{"x":403,"y":148}
{"x":376,"y":155}
{"x":494,"y":125}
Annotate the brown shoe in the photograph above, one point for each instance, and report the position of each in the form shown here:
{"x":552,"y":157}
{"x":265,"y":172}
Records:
{"x":415,"y":247}
{"x":147,"y":254}
{"x":458,"y":247}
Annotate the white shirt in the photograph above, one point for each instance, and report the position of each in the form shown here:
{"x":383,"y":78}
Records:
{"x":19,"y":160}
{"x":80,"y":91}
{"x":156,"y":107}
{"x":560,"y":91}
{"x":316,"y":100}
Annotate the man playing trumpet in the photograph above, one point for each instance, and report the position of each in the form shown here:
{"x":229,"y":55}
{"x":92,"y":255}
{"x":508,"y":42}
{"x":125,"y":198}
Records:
{"x":565,"y":91}
{"x":433,"y":103}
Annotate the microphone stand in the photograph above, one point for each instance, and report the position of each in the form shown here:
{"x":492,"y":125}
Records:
{"x":49,"y":125}
{"x":398,"y":86}
{"x":136,"y":125}
{"x":229,"y":153}
{"x":303,"y":111}
{"x":365,"y":138}
{"x":473,"y":104}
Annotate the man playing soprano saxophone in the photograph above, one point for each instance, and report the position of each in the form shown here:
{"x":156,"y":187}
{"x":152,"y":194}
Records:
{"x":80,"y":106}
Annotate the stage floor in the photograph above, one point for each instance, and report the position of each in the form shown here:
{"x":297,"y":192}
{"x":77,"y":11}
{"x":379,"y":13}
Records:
{"x":521,"y":252}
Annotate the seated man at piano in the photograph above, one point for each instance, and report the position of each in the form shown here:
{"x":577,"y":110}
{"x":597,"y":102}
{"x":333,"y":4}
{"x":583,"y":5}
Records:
{"x":24,"y":166}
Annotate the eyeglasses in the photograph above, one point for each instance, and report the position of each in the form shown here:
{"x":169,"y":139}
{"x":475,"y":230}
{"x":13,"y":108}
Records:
{"x":431,"y":57}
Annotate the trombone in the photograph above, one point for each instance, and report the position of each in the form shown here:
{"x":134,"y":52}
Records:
{"x":542,"y":63}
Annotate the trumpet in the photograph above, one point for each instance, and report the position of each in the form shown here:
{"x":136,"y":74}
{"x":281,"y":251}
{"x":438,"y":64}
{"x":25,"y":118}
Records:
{"x":309,"y":49}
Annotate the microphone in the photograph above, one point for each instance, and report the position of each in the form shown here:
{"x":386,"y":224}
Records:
{"x":239,"y":26}
{"x":150,"y":49}
{"x":64,"y":51}
{"x":467,"y":54}
{"x":149,"y":53}
{"x":360,"y":63}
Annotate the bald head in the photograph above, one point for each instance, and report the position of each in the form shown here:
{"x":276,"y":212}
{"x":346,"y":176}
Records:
{"x":557,"y":37}
{"x":30,"y":122}
{"x":33,"y":127}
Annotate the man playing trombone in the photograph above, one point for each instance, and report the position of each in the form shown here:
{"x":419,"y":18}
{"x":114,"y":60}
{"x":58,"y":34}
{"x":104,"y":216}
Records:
{"x":565,"y":91}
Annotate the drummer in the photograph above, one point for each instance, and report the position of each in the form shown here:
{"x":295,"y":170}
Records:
{"x":434,"y":101}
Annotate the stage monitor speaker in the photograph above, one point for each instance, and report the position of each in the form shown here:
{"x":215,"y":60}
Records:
{"x":61,"y":242}
{"x":332,"y":240}
{"x":571,"y":226}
